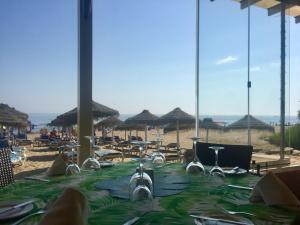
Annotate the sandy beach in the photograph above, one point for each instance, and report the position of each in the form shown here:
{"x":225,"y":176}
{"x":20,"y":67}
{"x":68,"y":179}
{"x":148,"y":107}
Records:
{"x":39,"y":159}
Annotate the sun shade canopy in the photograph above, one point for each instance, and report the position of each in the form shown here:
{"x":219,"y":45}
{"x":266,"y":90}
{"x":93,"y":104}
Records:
{"x":274,"y":6}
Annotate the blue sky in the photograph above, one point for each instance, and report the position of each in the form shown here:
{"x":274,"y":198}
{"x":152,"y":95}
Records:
{"x":144,"y":56}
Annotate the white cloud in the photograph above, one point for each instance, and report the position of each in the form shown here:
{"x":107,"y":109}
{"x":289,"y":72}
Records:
{"x":227,"y":59}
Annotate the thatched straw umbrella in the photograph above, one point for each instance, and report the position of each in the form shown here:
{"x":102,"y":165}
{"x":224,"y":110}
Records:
{"x":254,"y":124}
{"x":144,"y":118}
{"x":70,"y":118}
{"x":110,"y":122}
{"x":177,"y":116}
{"x":208,"y":123}
{"x":11,"y":117}
{"x":129,"y":127}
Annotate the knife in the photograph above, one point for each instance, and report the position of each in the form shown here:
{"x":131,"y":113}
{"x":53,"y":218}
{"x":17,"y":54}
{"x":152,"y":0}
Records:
{"x":36,"y":178}
{"x":16,"y":206}
{"x":132,"y":221}
{"x":219,"y":220}
{"x":240,"y":187}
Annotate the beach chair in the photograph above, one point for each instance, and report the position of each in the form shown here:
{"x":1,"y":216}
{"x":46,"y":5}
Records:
{"x":230,"y":156}
{"x":6,"y":170}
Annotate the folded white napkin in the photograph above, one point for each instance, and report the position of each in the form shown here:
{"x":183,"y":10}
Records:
{"x":58,"y":167}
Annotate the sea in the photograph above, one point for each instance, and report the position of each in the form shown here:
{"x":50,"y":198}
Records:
{"x":40,"y":120}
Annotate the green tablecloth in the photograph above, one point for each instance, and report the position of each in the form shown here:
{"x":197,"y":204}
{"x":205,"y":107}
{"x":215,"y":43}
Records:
{"x":204,"y":195}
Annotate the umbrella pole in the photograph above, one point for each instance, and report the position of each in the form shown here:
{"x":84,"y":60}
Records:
{"x":206,"y":135}
{"x":85,"y":56}
{"x":197,"y":135}
{"x":177,"y":128}
{"x":282,"y":83}
{"x":125,"y":136}
{"x":146,"y":129}
{"x":248,"y":82}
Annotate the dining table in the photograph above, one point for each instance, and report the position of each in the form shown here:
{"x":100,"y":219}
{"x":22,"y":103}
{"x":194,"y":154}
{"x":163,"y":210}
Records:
{"x":204,"y":195}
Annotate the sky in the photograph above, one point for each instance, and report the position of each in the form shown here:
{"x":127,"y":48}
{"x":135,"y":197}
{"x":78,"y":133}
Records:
{"x":144,"y":57}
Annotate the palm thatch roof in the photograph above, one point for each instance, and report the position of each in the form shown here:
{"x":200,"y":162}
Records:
{"x":176,"y":115}
{"x":109,"y":122}
{"x":70,"y":118}
{"x":183,"y":126}
{"x":208,"y":123}
{"x":254,"y":124}
{"x":144,"y":118}
{"x":9,"y":116}
{"x":125,"y":126}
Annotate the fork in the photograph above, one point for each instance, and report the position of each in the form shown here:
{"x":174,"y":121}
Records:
{"x":236,"y":212}
{"x":28,"y":216}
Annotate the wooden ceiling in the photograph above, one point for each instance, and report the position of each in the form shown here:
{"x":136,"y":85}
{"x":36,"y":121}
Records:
{"x":274,"y":6}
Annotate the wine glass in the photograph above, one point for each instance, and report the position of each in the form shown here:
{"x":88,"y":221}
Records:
{"x":141,"y":192}
{"x":216,"y":170}
{"x":195,"y":166}
{"x":72,"y":168}
{"x":158,"y":158}
{"x":141,"y":186}
{"x":91,"y":163}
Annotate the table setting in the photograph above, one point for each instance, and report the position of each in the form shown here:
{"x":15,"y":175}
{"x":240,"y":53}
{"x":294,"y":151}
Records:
{"x":177,"y":197}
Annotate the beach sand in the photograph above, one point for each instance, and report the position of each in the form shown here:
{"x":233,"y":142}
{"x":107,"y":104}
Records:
{"x":41,"y":158}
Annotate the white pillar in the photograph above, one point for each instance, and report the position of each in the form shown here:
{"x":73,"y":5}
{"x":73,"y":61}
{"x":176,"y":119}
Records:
{"x":85,"y":45}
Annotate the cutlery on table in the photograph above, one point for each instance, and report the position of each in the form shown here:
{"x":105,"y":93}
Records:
{"x":218,"y":220}
{"x":28,"y":216}
{"x":235,"y":212}
{"x":15,"y":206}
{"x":132,"y":221}
{"x":240,"y":187}
{"x":36,"y":178}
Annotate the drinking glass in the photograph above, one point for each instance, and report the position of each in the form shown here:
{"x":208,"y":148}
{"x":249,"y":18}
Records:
{"x":140,"y":184}
{"x":141,"y":192}
{"x":72,"y":168}
{"x":195,"y":166}
{"x":90,"y":164}
{"x":158,"y":158}
{"x":216,"y":170}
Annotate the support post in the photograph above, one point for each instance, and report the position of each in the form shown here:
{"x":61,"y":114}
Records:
{"x":84,"y":113}
{"x":197,"y":134}
{"x":146,"y":131}
{"x":248,"y":81}
{"x":177,"y":134}
{"x":282,"y":83}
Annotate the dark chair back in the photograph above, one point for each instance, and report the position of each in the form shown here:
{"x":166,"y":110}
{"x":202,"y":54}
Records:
{"x":6,"y":170}
{"x":230,"y":156}
{"x":4,"y":143}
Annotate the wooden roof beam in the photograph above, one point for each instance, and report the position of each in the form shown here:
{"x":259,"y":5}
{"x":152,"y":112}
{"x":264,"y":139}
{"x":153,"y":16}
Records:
{"x":247,"y":3}
{"x":277,"y":8}
{"x":297,"y":19}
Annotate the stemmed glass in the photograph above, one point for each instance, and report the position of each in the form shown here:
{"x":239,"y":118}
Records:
{"x":91,"y":163}
{"x":157,"y":157}
{"x":141,"y":186}
{"x":195,"y":166}
{"x":72,"y":168}
{"x":216,"y":170}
